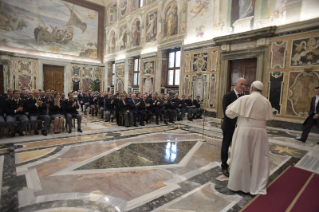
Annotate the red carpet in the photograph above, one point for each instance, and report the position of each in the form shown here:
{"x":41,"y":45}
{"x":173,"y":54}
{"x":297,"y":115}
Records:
{"x":295,"y":190}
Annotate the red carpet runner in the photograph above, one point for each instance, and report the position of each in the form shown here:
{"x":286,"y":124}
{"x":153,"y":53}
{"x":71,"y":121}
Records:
{"x":295,"y":190}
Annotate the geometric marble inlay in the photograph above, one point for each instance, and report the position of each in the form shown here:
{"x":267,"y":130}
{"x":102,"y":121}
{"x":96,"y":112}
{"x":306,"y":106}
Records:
{"x":143,"y":154}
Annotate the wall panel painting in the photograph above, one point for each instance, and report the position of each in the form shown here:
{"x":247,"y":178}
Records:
{"x":200,"y":62}
{"x":171,"y":20}
{"x":276,"y":81}
{"x":69,"y":27}
{"x":136,"y":32}
{"x":300,"y":92}
{"x":151,"y":26}
{"x":278,"y":54}
{"x":148,"y":84}
{"x":305,"y":52}
{"x":149,"y":67}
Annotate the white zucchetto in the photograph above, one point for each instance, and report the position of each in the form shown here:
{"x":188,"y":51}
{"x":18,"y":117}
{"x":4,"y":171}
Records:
{"x":259,"y":85}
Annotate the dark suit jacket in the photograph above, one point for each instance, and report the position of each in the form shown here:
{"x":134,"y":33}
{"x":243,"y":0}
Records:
{"x":34,"y":110}
{"x":56,"y":110}
{"x":312,"y":111}
{"x":123,"y":107}
{"x":68,"y":107}
{"x":142,"y":105}
{"x":132,"y":104}
{"x":229,"y":124}
{"x":11,"y":105}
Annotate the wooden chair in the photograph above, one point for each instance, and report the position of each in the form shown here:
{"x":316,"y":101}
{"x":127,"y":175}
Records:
{"x":28,"y":128}
{"x":122,"y":117}
{"x":73,"y":123}
{"x":61,"y":125}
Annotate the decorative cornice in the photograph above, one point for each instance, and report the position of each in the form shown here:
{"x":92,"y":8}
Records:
{"x":246,"y":36}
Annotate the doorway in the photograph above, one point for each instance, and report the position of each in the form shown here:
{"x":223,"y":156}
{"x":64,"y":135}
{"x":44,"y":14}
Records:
{"x":245,"y":68}
{"x":53,"y":77}
{"x":1,"y":80}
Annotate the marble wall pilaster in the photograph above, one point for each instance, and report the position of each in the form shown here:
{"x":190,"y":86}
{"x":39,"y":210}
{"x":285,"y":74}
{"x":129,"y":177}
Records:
{"x":5,"y":60}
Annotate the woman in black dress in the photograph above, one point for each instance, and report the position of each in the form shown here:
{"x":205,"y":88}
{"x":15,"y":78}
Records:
{"x":57,"y":112}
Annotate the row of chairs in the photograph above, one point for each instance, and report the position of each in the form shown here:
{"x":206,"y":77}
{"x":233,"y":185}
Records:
{"x":6,"y":130}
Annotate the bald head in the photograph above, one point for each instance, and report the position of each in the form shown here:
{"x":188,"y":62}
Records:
{"x":240,"y":85}
{"x":36,"y":93}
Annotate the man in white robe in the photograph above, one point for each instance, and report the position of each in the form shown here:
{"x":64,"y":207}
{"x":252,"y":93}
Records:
{"x":249,"y":169}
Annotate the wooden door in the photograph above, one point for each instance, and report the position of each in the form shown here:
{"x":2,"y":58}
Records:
{"x":53,"y":77}
{"x":1,"y":80}
{"x":245,"y":68}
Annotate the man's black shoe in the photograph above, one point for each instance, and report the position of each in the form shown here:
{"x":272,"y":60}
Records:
{"x":21,"y":134}
{"x":84,"y":112}
{"x":225,"y":172}
{"x":135,"y":125}
{"x":106,"y":120}
{"x":12,"y":135}
{"x":157,"y":123}
{"x":112,"y":119}
{"x":44,"y":133}
{"x":142,"y":124}
{"x":165,"y":122}
{"x":79,"y":130}
{"x":69,"y":131}
{"x":298,"y":139}
{"x":36,"y":132}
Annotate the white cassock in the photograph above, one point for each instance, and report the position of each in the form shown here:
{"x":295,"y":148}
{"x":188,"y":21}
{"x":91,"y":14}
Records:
{"x":249,"y":171}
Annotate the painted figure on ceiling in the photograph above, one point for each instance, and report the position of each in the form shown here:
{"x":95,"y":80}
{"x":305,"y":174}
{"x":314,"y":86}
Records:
{"x":136,"y":32}
{"x":171,"y":21}
{"x":199,"y":9}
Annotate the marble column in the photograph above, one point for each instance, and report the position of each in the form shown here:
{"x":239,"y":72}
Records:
{"x":158,"y":74}
{"x":5,"y":60}
{"x":126,"y":74}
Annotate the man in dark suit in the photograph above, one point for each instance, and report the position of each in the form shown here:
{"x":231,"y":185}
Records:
{"x":133,"y":106}
{"x":71,"y":107}
{"x":2,"y":122}
{"x":229,"y":125}
{"x":15,"y":110}
{"x":37,"y":108}
{"x":313,"y":118}
{"x":80,"y":99}
{"x":125,"y":111}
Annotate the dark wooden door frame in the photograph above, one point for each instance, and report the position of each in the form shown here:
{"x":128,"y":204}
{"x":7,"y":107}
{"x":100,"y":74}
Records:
{"x":63,"y":74}
{"x":225,"y":57}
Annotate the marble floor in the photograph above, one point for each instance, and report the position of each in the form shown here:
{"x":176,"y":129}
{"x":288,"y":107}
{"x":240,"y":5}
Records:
{"x":151,"y":168}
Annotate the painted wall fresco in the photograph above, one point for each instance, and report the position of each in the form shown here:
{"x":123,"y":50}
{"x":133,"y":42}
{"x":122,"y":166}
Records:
{"x":24,"y":74}
{"x":86,"y":78}
{"x":171,"y":20}
{"x":151,"y":26}
{"x":50,"y":26}
{"x":199,"y":19}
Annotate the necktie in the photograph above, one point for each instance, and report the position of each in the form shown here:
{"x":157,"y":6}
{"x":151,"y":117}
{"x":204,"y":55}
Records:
{"x":239,"y":95}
